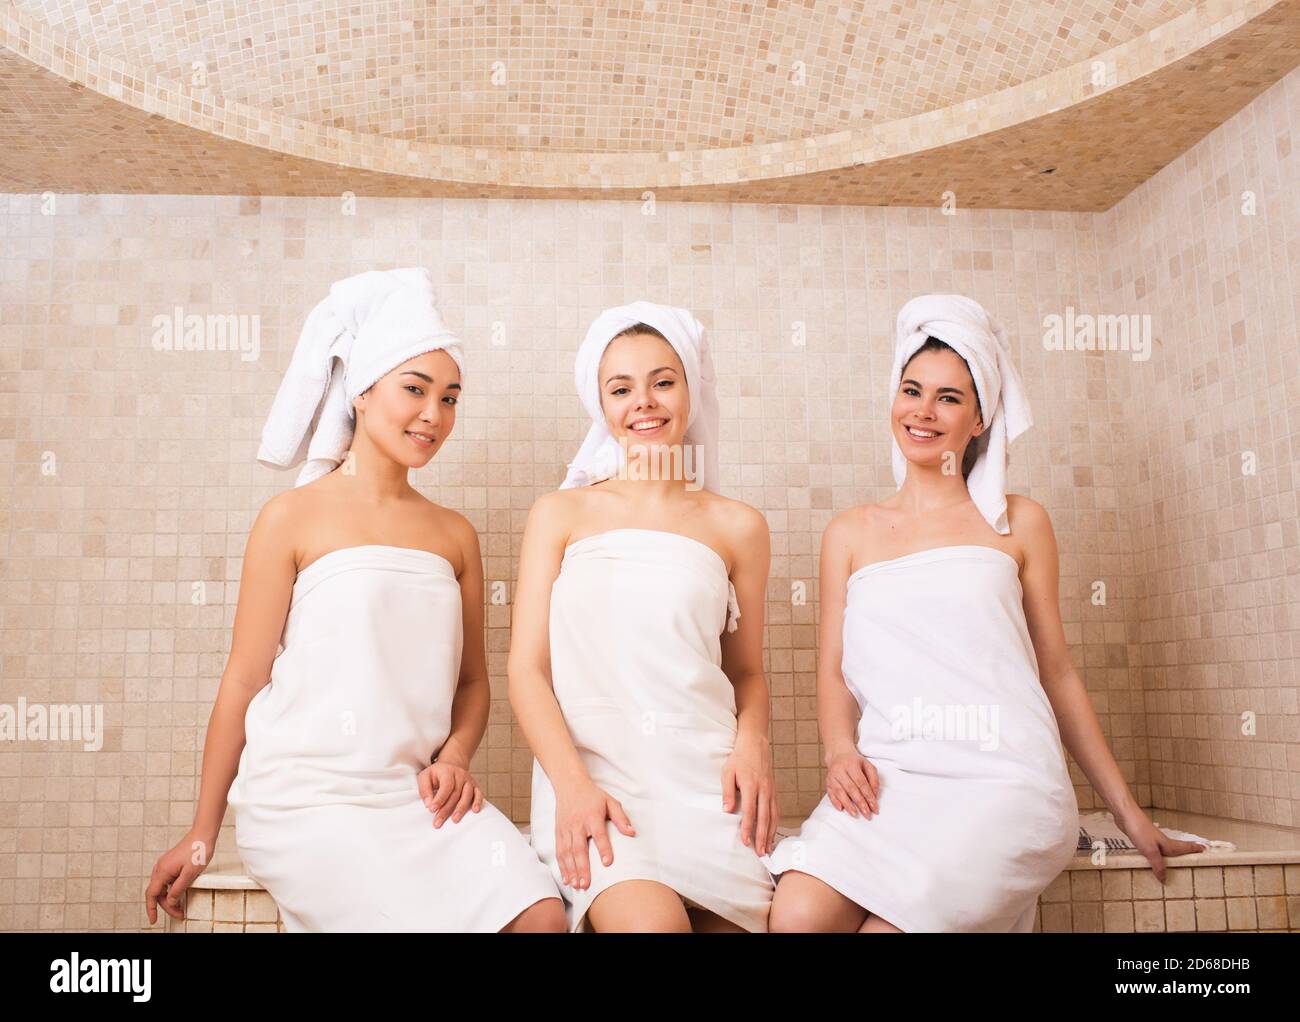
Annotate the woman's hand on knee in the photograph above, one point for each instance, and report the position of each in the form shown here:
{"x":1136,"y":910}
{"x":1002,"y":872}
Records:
{"x":447,"y":789}
{"x":853,"y":784}
{"x":580,"y":816}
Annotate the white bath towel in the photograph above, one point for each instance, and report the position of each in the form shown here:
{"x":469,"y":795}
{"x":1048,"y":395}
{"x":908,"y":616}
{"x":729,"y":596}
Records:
{"x":963,"y":324}
{"x":362,"y":330}
{"x":328,"y":814}
{"x":601,"y":456}
{"x":977,"y":812}
{"x":636,"y":617}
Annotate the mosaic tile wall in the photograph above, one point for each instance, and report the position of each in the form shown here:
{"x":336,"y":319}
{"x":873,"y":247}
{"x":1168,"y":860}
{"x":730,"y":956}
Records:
{"x":153,"y":486}
{"x":1210,"y":250}
{"x":129,"y":482}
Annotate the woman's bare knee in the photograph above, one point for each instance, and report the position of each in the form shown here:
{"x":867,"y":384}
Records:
{"x":638,"y":906}
{"x":804,"y":904}
{"x":545,"y":916}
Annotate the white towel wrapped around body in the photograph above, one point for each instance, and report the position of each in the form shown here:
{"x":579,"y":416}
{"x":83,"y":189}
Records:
{"x":636,"y":618}
{"x":977,"y":811}
{"x":327,"y":809}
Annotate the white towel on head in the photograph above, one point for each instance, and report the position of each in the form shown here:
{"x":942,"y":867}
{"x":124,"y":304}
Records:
{"x":366,"y":327}
{"x":979,"y":338}
{"x":601,"y":456}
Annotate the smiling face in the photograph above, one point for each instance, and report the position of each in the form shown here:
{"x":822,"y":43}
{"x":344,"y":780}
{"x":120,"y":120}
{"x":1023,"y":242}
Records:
{"x":643,"y":391}
{"x":409,"y":412}
{"x":936,"y":409}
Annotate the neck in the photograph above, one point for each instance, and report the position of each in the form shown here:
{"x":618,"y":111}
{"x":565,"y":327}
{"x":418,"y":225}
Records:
{"x":926,"y":489}
{"x":648,"y":490}
{"x":374,"y":477}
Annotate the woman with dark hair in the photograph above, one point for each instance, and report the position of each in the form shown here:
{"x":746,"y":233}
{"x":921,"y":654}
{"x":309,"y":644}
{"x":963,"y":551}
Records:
{"x":944,"y":684}
{"x":356,"y":690}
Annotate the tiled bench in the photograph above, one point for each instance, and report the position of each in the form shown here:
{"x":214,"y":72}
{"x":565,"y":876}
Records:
{"x":1255,"y":888}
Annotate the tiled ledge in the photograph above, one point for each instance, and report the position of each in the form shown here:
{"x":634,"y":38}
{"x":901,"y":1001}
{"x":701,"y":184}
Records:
{"x":1256,"y":888}
{"x":1262,"y":898}
{"x":1257,"y":843}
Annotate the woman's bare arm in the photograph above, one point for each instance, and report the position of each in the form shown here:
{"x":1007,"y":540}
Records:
{"x":1080,"y":730}
{"x":470,"y":706}
{"x":742,"y":650}
{"x":837,"y":710}
{"x":532,"y":696}
{"x":265,"y":590}
{"x":851,"y":781}
{"x":581,"y":808}
{"x":749,"y":768}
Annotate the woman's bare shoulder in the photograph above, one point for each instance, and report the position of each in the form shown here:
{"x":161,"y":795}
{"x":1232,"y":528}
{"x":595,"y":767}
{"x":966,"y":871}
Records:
{"x":735,"y":516}
{"x":1026,"y":517}
{"x":856,"y":520}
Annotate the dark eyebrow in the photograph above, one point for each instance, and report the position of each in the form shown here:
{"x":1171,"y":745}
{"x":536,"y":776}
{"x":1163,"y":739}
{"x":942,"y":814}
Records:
{"x":428,"y":379}
{"x":624,"y":376}
{"x":942,"y":390}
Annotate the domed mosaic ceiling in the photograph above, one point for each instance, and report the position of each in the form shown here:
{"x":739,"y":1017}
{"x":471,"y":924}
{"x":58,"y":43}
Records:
{"x":1054,"y":105}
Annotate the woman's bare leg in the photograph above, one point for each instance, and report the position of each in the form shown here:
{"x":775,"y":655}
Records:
{"x":804,"y":904}
{"x":875,"y":924}
{"x":638,"y":906}
{"x":545,"y":916}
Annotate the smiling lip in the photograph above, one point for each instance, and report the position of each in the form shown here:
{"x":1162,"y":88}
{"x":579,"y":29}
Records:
{"x":650,"y":431}
{"x":922,"y":439}
{"x":419,"y":441}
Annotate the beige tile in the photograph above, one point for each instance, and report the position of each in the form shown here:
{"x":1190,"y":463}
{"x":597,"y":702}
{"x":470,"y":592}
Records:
{"x":1085,"y":916}
{"x":228,"y":906}
{"x":1179,"y":915}
{"x":1272,"y":912}
{"x":1211,"y":914}
{"x":1269,"y":880}
{"x":260,"y":908}
{"x":1239,"y":881}
{"x":198,"y":904}
{"x":1056,"y":917}
{"x":1117,"y":916}
{"x":1117,"y":885}
{"x":1241,"y":914}
{"x":1208,"y":881}
{"x":1178,"y":883}
{"x":1146,"y":886}
{"x":1149,"y":916}
{"x":1292,"y":873}
{"x":1085,"y":885}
